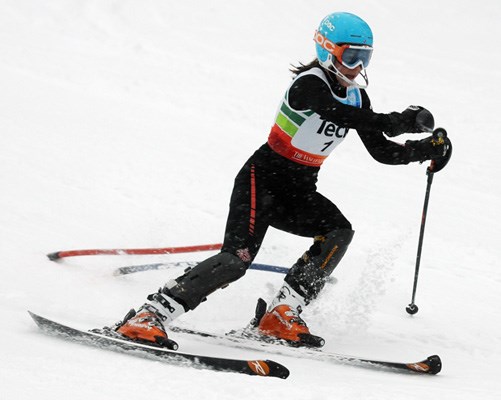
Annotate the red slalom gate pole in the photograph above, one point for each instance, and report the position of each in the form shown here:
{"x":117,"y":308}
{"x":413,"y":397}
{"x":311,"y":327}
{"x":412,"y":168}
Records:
{"x":118,"y":252}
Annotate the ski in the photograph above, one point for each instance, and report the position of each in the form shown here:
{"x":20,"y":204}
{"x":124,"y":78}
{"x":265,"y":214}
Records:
{"x":431,"y":365}
{"x":265,"y":368}
{"x":131,"y":269}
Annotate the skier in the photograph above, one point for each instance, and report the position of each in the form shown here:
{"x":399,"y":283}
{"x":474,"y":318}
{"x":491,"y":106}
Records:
{"x":277,"y":187}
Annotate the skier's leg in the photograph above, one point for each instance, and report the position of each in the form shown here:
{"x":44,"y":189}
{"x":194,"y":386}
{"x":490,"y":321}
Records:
{"x":246,"y":226}
{"x":318,"y":217}
{"x":245,"y":229}
{"x":191,"y":288}
{"x":180,"y":295}
{"x":308,"y":275}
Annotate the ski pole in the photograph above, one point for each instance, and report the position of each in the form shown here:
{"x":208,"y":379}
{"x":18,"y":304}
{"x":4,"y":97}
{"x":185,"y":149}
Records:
{"x":412,"y":308}
{"x":435,"y":166}
{"x":118,"y":252}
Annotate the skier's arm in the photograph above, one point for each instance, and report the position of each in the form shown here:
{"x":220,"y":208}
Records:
{"x":379,"y":147}
{"x":388,"y":152}
{"x":383,"y":150}
{"x":312,"y":93}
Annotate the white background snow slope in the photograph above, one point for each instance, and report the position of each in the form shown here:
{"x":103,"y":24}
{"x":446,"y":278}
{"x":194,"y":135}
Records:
{"x":123,"y":124}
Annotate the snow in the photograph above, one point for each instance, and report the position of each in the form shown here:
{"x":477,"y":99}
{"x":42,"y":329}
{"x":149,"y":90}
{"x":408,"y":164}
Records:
{"x":123,"y":124}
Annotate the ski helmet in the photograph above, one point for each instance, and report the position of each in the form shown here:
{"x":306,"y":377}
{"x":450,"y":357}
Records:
{"x":343,"y":28}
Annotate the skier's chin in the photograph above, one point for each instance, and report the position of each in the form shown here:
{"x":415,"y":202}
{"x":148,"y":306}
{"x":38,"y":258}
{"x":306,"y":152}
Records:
{"x":344,"y":83}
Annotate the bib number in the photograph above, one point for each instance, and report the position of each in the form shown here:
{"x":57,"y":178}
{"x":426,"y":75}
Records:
{"x":329,"y":129}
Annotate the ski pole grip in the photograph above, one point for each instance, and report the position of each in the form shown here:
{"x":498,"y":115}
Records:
{"x":440,"y":134}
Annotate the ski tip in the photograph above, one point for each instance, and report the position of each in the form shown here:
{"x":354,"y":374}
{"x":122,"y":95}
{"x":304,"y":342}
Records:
{"x":35,"y":317}
{"x":435,"y":364}
{"x":432,"y":365}
{"x":268,"y":368}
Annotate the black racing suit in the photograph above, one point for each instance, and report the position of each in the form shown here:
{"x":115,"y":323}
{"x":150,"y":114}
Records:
{"x":271,"y":190}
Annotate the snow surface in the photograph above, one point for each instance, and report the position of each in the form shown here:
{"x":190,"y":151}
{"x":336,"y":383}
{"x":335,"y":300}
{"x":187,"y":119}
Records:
{"x":123,"y":124}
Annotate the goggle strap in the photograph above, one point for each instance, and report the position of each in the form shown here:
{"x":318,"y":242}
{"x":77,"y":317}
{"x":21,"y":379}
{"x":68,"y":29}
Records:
{"x":363,"y":73}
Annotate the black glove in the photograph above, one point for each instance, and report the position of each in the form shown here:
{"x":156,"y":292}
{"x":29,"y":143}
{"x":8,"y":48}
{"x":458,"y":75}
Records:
{"x":414,"y":119}
{"x":430,"y":148}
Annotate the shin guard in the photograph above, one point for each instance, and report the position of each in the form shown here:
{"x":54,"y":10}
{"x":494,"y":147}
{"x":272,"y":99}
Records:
{"x":308,"y":275}
{"x":197,"y":283}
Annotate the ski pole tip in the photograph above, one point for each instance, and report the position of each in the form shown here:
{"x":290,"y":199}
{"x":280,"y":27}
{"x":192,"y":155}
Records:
{"x":412,"y":309}
{"x":54,"y":256}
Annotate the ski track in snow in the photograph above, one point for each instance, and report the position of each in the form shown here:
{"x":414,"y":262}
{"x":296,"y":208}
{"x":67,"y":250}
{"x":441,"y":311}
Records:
{"x":124,"y":124}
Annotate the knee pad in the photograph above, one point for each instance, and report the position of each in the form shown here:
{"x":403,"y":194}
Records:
{"x":197,"y":283}
{"x":308,"y":275}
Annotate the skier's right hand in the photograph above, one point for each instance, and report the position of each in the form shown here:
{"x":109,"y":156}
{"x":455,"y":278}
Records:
{"x":414,"y":119}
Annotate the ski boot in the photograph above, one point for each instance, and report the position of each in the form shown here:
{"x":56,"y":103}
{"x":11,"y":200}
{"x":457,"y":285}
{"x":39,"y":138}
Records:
{"x":283,"y":322}
{"x":145,"y":327}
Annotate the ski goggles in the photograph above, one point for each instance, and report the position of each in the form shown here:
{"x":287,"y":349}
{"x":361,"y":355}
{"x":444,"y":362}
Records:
{"x":350,"y":55}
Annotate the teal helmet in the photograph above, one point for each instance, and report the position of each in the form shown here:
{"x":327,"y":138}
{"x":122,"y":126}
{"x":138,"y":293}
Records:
{"x":342,"y":28}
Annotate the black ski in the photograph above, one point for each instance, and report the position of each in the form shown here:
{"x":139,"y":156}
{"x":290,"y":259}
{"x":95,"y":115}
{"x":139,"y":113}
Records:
{"x":431,"y":365}
{"x":249,"y":367}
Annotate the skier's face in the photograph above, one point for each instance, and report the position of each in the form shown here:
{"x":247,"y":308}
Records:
{"x":350,"y":73}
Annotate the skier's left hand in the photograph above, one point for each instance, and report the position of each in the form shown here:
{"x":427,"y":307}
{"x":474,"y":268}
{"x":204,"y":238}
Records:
{"x":414,"y":119}
{"x":429,"y":148}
